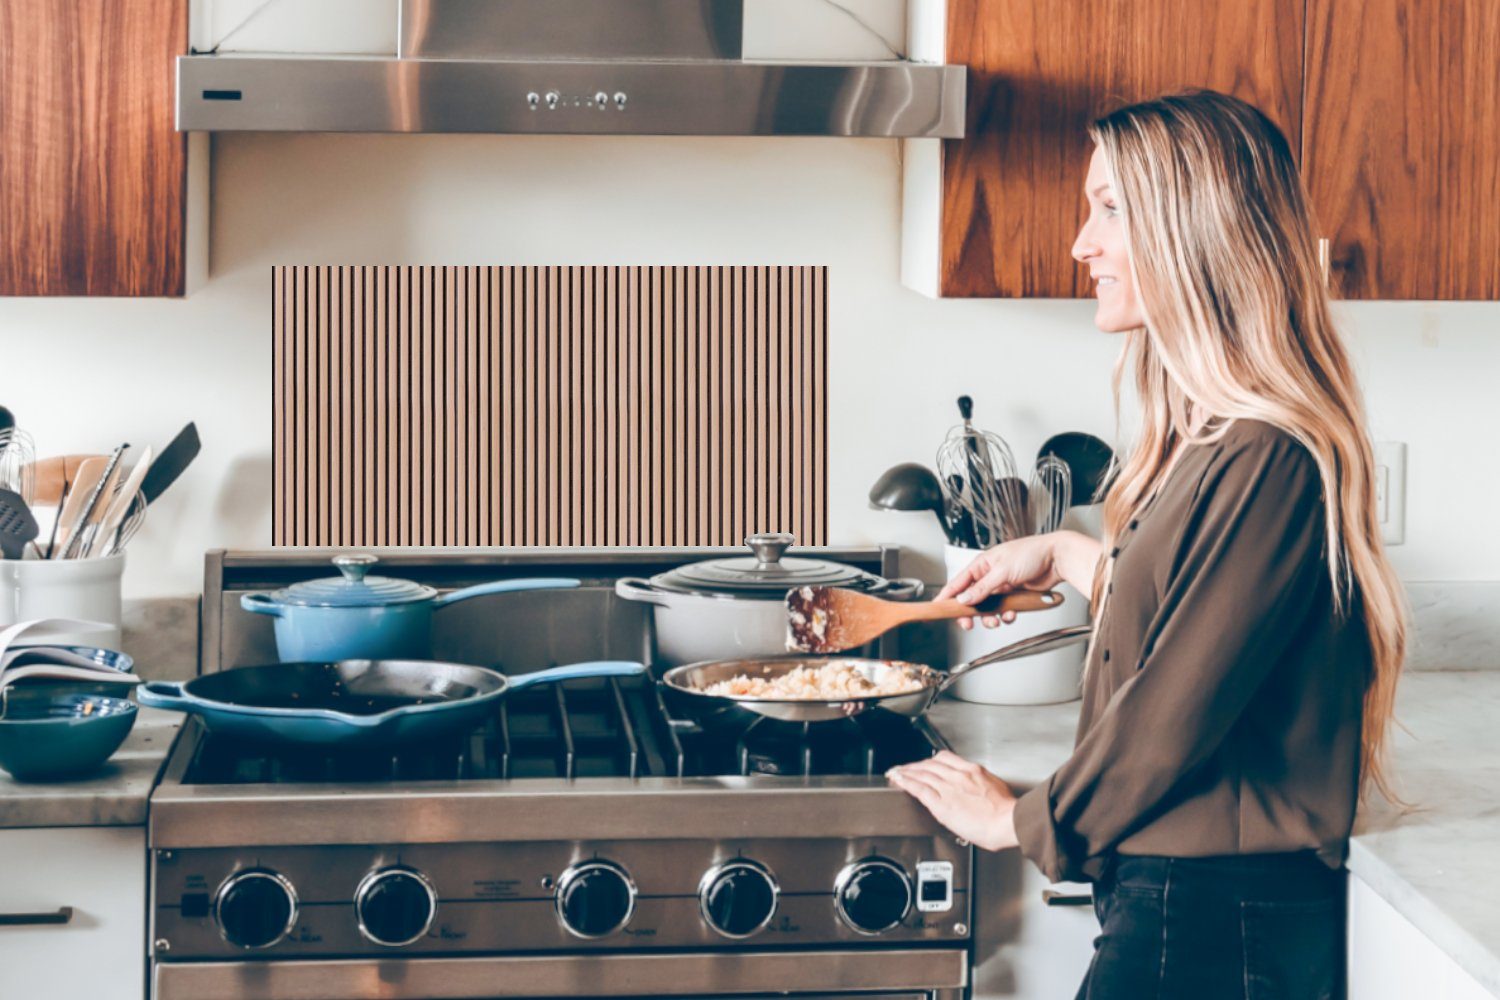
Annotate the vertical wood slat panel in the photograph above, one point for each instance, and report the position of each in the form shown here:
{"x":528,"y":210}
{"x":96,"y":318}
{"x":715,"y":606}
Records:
{"x":548,"y":405}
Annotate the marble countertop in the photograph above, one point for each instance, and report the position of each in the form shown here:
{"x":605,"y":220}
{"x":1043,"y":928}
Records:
{"x":116,"y":796}
{"x":1435,"y":861}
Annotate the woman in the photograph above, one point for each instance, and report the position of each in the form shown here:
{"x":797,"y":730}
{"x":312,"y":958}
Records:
{"x":1249,"y":630}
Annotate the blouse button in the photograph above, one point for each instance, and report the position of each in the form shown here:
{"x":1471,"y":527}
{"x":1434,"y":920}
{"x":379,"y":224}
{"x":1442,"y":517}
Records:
{"x":1134,"y":524}
{"x":1106,"y":656}
{"x":1114,"y":551}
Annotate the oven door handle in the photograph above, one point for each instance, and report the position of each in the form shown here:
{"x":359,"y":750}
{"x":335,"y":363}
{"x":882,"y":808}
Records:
{"x":62,"y":915}
{"x":1054,"y":897}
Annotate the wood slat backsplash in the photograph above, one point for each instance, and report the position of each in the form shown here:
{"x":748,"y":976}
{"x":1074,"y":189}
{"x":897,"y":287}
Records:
{"x":549,"y":405}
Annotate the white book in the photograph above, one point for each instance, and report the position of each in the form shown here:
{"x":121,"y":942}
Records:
{"x":25,"y":652}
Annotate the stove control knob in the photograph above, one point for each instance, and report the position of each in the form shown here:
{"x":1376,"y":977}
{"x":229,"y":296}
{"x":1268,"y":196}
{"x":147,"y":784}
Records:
{"x":873,"y":895}
{"x":595,"y":898}
{"x":395,"y":906}
{"x":738,"y":898}
{"x":255,"y":908}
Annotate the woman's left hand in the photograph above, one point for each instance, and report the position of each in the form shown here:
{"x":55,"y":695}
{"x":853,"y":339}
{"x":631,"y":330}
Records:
{"x":962,"y":796}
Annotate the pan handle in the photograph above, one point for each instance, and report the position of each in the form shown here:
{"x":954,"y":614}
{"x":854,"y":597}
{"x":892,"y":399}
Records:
{"x":164,"y":694}
{"x":261,"y":604}
{"x":633,"y":588}
{"x":504,"y":587}
{"x":1044,"y":643}
{"x":595,"y":668}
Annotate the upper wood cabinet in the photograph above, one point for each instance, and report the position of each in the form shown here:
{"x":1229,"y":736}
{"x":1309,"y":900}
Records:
{"x":1401,"y":145}
{"x":1011,"y":197}
{"x":93,"y":176}
{"x":1394,"y":124}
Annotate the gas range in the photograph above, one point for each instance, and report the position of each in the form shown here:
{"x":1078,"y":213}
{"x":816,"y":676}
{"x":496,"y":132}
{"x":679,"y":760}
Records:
{"x":581,"y":829}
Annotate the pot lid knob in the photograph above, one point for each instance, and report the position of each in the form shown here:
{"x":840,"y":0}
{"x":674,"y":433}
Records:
{"x":769,"y":548}
{"x":354,"y":566}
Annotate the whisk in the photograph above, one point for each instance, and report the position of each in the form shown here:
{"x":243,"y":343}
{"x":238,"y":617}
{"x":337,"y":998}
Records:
{"x":18,"y":463}
{"x":978,"y":473}
{"x":1050,"y":494}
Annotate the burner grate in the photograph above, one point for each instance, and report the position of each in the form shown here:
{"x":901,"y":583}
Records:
{"x":586,"y":728}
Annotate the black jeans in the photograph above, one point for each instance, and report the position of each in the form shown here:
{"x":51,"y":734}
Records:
{"x":1256,"y":926}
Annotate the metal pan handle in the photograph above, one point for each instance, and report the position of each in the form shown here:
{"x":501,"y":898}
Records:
{"x":1044,"y":643}
{"x":597,"y":668}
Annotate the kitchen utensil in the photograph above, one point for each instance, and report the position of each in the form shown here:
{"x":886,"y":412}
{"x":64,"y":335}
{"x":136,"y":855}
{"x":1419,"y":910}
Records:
{"x":355,"y":702}
{"x":17,"y":526}
{"x":1050,"y":494}
{"x":1089,"y":459}
{"x":103,"y":536}
{"x":685,"y":686}
{"x":7,"y":419}
{"x":831,"y":620}
{"x":49,"y":481}
{"x":359,"y":617}
{"x":92,"y":507}
{"x":80,"y":488}
{"x":46,"y":736}
{"x":735,"y":606}
{"x":971,"y":462}
{"x":174,"y":458}
{"x":911,"y":486}
{"x":18,"y":463}
{"x":963,"y":532}
{"x":1013,"y":494}
{"x":132,"y":523}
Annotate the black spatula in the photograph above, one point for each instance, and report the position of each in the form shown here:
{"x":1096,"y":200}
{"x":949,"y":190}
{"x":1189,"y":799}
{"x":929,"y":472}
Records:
{"x":17,"y":526}
{"x":174,"y":458}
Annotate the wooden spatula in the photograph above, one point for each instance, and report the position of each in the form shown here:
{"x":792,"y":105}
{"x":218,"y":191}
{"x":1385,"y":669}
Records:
{"x":832,"y":619}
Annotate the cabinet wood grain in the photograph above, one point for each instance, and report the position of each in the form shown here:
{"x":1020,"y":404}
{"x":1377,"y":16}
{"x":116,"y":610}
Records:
{"x":1402,"y":145}
{"x":1038,"y":73}
{"x":549,"y":405}
{"x":92,"y":173}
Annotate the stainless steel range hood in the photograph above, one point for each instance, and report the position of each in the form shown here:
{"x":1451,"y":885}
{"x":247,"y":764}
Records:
{"x":563,"y":67}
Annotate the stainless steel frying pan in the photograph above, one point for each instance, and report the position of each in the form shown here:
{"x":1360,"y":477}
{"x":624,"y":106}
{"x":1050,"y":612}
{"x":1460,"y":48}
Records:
{"x":686,"y":687}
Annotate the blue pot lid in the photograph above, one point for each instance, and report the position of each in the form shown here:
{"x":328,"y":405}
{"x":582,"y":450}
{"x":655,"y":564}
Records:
{"x":353,"y":589}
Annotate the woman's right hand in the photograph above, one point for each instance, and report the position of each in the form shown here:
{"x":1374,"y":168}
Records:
{"x":1028,"y":563}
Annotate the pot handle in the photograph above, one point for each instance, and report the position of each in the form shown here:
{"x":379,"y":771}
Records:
{"x":261,"y":604}
{"x":1042,"y":643}
{"x":595,"y":668}
{"x":633,"y":588}
{"x":164,"y":694}
{"x":904,"y":588}
{"x":504,"y":587}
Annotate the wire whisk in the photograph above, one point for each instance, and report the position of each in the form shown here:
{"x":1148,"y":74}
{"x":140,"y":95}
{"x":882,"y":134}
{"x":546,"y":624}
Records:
{"x":1050,"y":494}
{"x":978,"y":475}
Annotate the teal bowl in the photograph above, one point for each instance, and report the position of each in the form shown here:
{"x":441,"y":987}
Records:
{"x":43,"y":738}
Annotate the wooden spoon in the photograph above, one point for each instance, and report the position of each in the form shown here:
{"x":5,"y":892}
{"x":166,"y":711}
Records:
{"x":832,"y":619}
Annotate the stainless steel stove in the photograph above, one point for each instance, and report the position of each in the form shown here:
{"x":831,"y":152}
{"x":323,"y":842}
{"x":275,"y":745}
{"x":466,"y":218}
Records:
{"x":582,"y":842}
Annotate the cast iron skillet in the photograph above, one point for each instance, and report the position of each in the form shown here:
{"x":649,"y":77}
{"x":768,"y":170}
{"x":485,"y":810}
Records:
{"x":354,"y":702}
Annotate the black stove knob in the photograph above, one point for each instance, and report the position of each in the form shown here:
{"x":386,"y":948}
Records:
{"x":595,"y":898}
{"x":738,"y":898}
{"x":873,"y":895}
{"x":255,"y":908}
{"x":395,"y":906}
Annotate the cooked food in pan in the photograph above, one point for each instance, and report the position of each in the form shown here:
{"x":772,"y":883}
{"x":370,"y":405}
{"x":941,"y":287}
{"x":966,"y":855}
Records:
{"x":835,"y":681}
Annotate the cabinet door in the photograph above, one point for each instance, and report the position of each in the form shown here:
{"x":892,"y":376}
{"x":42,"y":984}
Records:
{"x":93,"y":190}
{"x":1402,"y":153}
{"x":99,"y":874}
{"x":1038,"y":73}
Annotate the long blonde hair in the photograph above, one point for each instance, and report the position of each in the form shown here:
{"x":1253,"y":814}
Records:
{"x":1238,"y":325}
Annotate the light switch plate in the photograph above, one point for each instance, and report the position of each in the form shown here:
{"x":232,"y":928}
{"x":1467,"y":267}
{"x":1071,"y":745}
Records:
{"x":1390,"y":490}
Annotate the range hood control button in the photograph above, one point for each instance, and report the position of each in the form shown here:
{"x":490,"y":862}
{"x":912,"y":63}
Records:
{"x":873,"y":896}
{"x":255,"y":908}
{"x":553,"y":97}
{"x":395,"y":906}
{"x":620,"y":99}
{"x":738,"y":898}
{"x":595,"y":898}
{"x":533,"y":99}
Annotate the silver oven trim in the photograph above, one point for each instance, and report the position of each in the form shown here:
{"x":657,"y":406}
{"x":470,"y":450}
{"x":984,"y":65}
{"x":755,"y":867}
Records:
{"x":681,"y":974}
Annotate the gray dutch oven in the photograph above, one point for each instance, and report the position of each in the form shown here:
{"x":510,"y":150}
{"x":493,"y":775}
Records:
{"x":360,"y":617}
{"x":731,"y":608}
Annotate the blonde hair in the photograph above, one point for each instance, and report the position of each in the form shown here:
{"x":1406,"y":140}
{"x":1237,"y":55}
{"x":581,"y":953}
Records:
{"x":1238,"y":325}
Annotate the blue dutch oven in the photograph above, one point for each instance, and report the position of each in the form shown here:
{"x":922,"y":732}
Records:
{"x":360,"y":617}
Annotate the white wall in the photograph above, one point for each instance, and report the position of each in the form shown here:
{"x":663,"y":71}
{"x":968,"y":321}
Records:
{"x":86,"y":374}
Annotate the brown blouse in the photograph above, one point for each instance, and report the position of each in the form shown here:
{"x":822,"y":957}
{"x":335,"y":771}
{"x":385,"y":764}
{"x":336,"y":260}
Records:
{"x":1222,"y":700}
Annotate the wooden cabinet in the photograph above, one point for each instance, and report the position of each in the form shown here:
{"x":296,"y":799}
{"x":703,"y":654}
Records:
{"x":1011,"y":198}
{"x":1401,"y":147}
{"x":93,"y":190}
{"x":1392,"y":111}
{"x":97,"y":877}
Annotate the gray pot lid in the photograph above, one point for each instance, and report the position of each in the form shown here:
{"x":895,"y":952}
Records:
{"x":765,"y":575}
{"x":353,"y":589}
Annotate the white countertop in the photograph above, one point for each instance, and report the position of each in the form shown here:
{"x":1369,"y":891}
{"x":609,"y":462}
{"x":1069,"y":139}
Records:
{"x":1436,"y":862}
